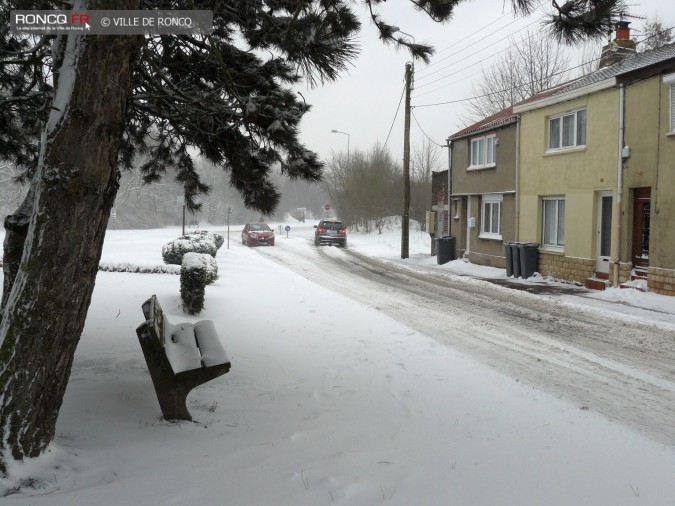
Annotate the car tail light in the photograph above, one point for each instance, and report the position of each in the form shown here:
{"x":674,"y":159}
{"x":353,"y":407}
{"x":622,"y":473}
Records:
{"x":342,"y":231}
{"x":322,"y":230}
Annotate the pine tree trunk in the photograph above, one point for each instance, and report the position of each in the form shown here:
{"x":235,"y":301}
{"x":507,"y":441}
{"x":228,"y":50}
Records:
{"x":45,"y":311}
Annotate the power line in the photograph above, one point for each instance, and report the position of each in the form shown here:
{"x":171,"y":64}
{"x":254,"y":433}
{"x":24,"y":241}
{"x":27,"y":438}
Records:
{"x":395,"y":116}
{"x":423,"y":132}
{"x":476,"y":52}
{"x":524,"y":85}
{"x":473,"y":47}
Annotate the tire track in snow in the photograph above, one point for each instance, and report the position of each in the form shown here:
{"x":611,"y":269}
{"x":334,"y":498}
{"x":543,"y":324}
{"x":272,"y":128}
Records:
{"x":622,"y":369}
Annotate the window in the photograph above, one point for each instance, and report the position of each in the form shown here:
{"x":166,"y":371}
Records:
{"x":670,"y":80}
{"x":567,"y":130}
{"x":491,"y":217}
{"x":483,"y":152}
{"x":553,"y":223}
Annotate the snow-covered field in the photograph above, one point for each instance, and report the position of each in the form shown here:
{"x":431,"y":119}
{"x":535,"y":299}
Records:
{"x":328,"y":402}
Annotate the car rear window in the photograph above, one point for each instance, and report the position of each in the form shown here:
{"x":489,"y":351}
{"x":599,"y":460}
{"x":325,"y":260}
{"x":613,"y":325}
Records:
{"x":333,"y":225}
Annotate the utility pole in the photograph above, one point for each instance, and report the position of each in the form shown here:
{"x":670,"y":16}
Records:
{"x":405,"y":220}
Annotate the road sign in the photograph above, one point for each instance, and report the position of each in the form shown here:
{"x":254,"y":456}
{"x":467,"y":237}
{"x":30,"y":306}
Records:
{"x":327,"y":207}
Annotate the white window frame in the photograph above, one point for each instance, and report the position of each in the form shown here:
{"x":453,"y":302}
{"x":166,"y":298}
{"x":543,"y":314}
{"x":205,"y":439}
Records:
{"x":558,"y":245}
{"x":670,"y":80}
{"x":576,"y":142}
{"x":489,"y":146}
{"x":487,"y":225}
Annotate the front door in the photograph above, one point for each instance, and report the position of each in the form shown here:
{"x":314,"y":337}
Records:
{"x":641,"y":214}
{"x":604,"y":232}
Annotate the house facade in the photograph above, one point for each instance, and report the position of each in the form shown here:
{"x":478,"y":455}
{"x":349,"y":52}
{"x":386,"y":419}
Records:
{"x":483,"y":188}
{"x":597,"y":175}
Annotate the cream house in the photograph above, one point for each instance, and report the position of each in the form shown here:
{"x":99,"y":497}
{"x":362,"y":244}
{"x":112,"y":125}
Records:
{"x":597,"y":175}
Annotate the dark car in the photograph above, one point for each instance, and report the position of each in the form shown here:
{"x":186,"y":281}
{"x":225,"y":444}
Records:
{"x":330,"y":232}
{"x":256,"y":234}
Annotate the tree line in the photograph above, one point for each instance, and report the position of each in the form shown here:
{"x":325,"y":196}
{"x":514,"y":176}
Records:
{"x":366,"y":188}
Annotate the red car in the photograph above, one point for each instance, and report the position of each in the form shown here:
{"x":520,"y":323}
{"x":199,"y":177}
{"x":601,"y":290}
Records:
{"x":256,"y":234}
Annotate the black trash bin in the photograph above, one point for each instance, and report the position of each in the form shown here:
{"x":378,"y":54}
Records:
{"x":529,"y":256}
{"x":445,"y":249}
{"x":515,"y":259}
{"x":509,"y":259}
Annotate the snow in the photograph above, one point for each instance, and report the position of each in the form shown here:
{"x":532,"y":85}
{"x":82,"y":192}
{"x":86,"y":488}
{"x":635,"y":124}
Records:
{"x":192,"y":261}
{"x":328,"y":401}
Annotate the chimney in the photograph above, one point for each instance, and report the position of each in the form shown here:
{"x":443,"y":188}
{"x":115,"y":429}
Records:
{"x":618,"y":49}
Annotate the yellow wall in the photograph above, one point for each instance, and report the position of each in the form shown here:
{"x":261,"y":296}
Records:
{"x":577,"y":174}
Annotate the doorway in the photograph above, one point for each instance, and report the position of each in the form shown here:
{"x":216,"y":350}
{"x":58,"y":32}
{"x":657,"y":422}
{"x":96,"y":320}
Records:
{"x":604,"y":232}
{"x":641,"y":216}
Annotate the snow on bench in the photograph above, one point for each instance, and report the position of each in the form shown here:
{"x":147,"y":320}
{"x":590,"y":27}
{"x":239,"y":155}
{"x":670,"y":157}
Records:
{"x":179,"y":357}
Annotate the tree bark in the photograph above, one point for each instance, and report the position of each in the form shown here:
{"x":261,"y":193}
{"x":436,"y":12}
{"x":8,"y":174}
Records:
{"x":47,"y":302}
{"x":16,"y":228}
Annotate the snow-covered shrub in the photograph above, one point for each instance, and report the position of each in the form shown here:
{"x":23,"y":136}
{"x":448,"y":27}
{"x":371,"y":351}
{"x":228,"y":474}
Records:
{"x":144,"y":269}
{"x":197,"y":270}
{"x":173,"y":251}
{"x":217,"y":239}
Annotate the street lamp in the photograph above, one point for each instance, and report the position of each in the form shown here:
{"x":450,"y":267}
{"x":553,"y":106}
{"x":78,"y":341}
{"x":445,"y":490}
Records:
{"x":343,"y":133}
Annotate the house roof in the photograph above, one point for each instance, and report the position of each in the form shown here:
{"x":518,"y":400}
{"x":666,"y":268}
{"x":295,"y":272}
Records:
{"x":503,"y":117}
{"x":628,"y":65}
{"x":604,"y":78}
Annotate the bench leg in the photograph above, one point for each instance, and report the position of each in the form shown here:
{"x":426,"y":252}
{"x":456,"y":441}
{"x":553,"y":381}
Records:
{"x":170,"y":393}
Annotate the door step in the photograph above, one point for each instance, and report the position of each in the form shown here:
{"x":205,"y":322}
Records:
{"x":596,"y":283}
{"x":637,"y":273}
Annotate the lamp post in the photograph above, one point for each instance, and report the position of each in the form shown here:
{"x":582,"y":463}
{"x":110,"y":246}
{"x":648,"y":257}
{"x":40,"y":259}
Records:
{"x":343,"y":133}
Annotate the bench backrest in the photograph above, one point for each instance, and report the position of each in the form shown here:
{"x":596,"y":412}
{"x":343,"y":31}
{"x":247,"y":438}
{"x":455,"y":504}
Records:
{"x":154,"y":318}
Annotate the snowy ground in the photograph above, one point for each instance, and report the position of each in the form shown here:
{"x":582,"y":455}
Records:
{"x":328,"y":402}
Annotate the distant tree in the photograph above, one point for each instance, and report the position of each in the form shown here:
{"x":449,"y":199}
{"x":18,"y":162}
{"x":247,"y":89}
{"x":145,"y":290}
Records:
{"x":425,"y":159}
{"x":534,"y":63}
{"x":228,"y":95}
{"x":365,"y":189}
{"x":655,"y":34}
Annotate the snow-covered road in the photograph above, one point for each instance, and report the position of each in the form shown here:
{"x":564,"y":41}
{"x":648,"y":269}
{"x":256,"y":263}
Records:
{"x":621,"y":368}
{"x":361,"y":379}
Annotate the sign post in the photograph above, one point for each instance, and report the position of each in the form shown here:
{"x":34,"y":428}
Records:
{"x":287,"y":228}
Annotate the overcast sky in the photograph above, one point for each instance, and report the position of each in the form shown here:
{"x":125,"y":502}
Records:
{"x":363,"y":103}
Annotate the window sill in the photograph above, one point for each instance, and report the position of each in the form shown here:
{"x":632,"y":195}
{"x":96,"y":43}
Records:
{"x":481,"y":167}
{"x":560,"y":151}
{"x":671,"y":134}
{"x":491,"y":237}
{"x":552,"y":249}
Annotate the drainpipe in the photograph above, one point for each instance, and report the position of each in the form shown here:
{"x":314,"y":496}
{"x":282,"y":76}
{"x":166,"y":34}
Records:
{"x":468,"y":228}
{"x":616,"y":246}
{"x":449,"y":182}
{"x":517,"y":196}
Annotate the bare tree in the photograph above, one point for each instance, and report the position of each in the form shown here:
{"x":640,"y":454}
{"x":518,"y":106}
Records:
{"x":655,"y":34}
{"x":365,"y":188}
{"x":425,"y":160}
{"x":589,"y":60}
{"x":535,"y":63}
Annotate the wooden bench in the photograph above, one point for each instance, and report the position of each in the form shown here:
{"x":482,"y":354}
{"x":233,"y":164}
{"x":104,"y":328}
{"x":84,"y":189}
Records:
{"x":179,"y":357}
